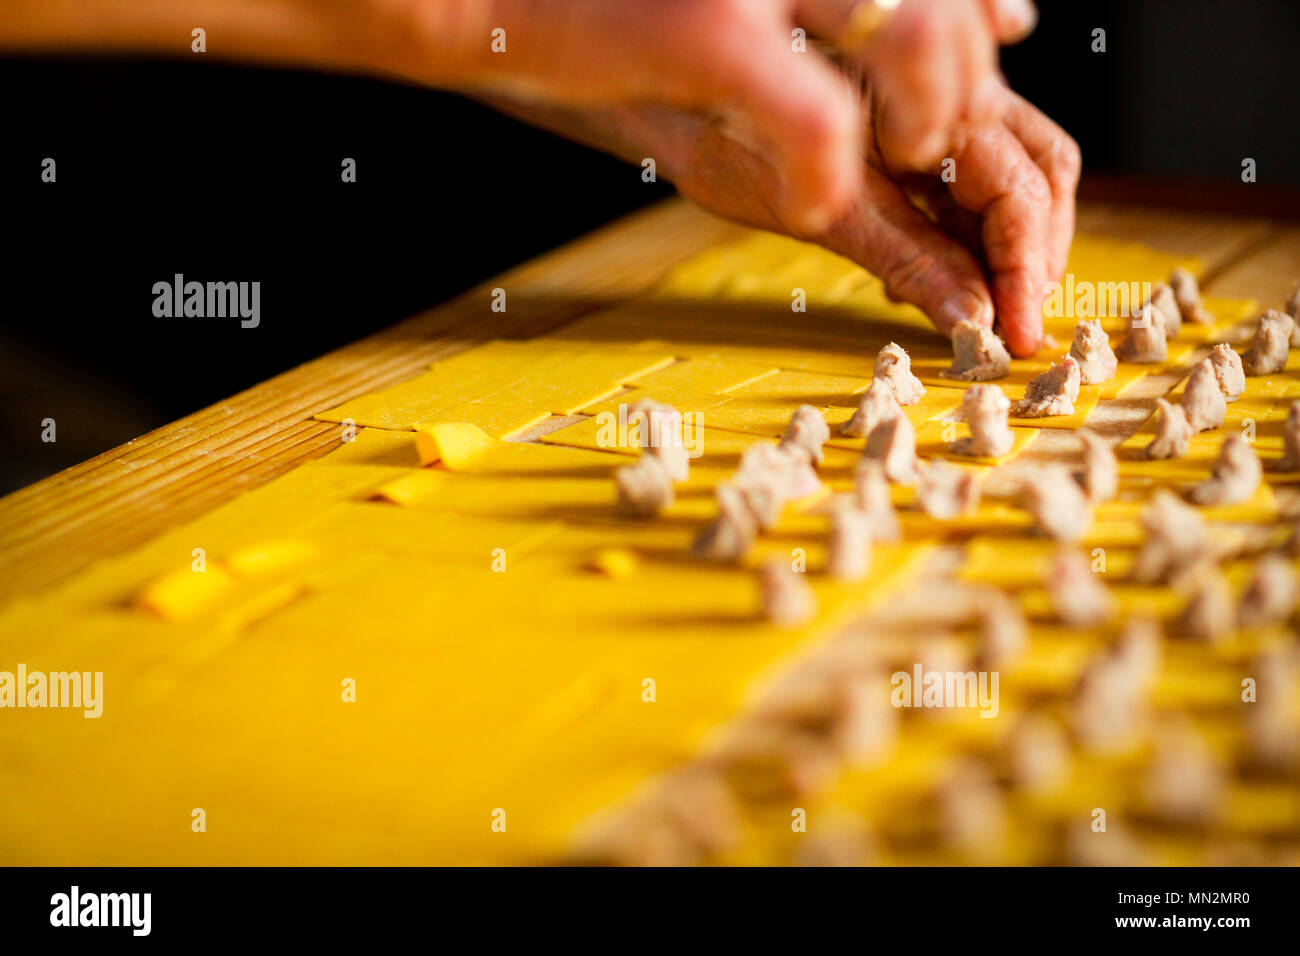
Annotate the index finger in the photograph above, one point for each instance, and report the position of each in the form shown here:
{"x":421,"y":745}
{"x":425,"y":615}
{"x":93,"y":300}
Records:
{"x":995,"y":177}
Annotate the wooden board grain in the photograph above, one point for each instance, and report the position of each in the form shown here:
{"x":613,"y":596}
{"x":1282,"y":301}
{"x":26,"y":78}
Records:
{"x":126,"y":496}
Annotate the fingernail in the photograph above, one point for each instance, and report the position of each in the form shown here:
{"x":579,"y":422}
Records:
{"x":964,"y":304}
{"x":1019,"y":16}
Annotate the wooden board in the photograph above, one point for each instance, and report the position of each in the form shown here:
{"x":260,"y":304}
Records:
{"x":367,"y":565}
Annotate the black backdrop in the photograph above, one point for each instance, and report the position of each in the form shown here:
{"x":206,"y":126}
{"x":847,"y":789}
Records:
{"x":229,"y":173}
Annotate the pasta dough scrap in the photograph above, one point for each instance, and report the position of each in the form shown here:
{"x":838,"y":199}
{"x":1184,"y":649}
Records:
{"x":186,"y":593}
{"x":617,"y":563}
{"x":568,"y":481}
{"x":454,"y":444}
{"x":269,"y":558}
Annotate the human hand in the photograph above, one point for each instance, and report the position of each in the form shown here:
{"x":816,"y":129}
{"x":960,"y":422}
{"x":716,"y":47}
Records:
{"x":1010,"y":209}
{"x":932,"y":65}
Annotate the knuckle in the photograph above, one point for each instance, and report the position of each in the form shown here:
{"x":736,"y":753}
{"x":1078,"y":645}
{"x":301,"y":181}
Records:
{"x":723,"y":12}
{"x":1016,"y":233}
{"x":923,"y":33}
{"x":712,"y":21}
{"x":1030,"y":184}
{"x":819,"y":127}
{"x":713,"y":40}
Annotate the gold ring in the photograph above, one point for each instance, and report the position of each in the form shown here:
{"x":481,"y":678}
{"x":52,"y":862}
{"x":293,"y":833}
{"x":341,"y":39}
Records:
{"x":864,"y":21}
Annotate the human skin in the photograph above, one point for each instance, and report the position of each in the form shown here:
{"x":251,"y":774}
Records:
{"x":845,"y":153}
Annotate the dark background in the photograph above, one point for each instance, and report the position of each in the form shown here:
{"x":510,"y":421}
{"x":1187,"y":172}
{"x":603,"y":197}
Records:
{"x":227,"y":173}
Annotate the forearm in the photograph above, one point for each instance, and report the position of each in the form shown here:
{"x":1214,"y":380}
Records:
{"x":425,"y":39}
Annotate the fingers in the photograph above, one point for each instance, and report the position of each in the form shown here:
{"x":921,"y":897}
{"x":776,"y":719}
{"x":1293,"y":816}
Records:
{"x":932,"y":75}
{"x":930,"y":194}
{"x":917,"y":262}
{"x":730,"y":59}
{"x":930,"y":63}
{"x":882,"y":231}
{"x":1012,"y":20}
{"x":1057,"y":155}
{"x":996,"y":178}
{"x":918,"y":74}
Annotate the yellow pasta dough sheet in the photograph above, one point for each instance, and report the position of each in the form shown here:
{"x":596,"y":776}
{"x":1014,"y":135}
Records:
{"x":762,"y":269}
{"x":365,"y":659}
{"x":937,"y":440}
{"x":1015,"y":563}
{"x":425,"y":399}
{"x":1257,"y":416}
{"x":844,"y":302}
{"x":502,"y":386}
{"x":376,"y":446}
{"x":836,"y":344}
{"x":930,"y":371}
{"x":1228,"y":314}
{"x":1089,"y":396}
{"x":938,"y":403}
{"x":694,"y":383}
